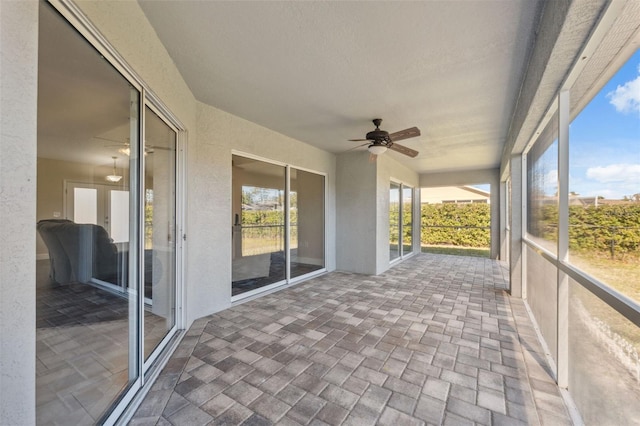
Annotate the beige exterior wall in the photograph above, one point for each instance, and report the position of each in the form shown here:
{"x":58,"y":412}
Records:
{"x":18,"y":107}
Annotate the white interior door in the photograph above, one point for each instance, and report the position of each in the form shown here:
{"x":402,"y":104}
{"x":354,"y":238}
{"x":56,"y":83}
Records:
{"x":99,"y":204}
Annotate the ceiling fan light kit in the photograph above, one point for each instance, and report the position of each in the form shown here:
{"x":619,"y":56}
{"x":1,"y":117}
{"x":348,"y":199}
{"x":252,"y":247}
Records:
{"x":381,"y":140}
{"x":376,"y":149}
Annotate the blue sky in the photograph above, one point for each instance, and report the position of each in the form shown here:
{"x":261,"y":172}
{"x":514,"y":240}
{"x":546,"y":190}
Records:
{"x":604,"y":138}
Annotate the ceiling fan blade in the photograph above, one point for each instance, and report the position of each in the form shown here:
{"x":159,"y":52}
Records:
{"x":358,"y":140}
{"x":405,"y":134}
{"x":355,"y":147}
{"x":404,"y":150}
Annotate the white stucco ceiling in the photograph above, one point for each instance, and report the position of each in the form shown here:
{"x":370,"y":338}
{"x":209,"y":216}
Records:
{"x":320,"y":71}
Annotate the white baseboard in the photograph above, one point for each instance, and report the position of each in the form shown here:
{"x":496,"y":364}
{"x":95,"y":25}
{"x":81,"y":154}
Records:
{"x":42,"y":256}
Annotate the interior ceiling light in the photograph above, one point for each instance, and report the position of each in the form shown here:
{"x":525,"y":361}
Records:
{"x":127,"y":151}
{"x":114,"y":177}
{"x":377,"y":149}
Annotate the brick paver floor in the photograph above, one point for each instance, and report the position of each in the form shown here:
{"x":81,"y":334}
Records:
{"x":434,"y":340}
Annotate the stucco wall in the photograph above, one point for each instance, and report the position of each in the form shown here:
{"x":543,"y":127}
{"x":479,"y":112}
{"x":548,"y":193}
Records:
{"x":18,"y":111}
{"x":356,"y":205}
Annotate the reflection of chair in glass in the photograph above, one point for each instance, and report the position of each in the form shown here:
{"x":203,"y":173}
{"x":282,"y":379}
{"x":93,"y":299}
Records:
{"x":82,"y":252}
{"x":79,"y":252}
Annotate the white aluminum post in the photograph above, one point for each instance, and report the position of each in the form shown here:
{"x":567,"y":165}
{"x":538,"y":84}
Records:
{"x":287,"y":224}
{"x":563,"y":238}
{"x":516,"y":245}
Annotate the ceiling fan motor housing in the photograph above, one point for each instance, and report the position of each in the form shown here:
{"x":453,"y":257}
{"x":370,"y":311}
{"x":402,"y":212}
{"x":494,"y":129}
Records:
{"x":378,"y":136}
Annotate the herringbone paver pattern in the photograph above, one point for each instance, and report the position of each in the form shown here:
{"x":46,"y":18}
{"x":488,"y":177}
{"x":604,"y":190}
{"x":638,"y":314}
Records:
{"x":434,"y":340}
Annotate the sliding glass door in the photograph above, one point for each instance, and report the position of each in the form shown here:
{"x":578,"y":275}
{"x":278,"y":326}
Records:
{"x":277,"y":224}
{"x":400,"y":220}
{"x":106,"y":249}
{"x":407,"y":220}
{"x":306,"y":219}
{"x":159,"y":231}
{"x":258,"y":224}
{"x":394,"y":221}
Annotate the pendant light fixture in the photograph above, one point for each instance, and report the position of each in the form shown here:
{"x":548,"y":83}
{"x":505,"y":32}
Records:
{"x":115,"y":178}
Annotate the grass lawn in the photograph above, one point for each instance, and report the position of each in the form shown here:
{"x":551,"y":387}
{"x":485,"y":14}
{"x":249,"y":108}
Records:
{"x":621,"y":274}
{"x":458,"y":251}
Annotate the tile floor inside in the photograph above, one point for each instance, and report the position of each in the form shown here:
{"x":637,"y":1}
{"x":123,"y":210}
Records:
{"x":82,"y":348}
{"x":434,"y":340}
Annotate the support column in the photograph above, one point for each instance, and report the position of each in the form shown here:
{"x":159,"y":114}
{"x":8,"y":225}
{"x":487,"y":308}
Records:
{"x":504,"y":221}
{"x":563,"y":238}
{"x":518,"y":209}
{"x":495,"y":218}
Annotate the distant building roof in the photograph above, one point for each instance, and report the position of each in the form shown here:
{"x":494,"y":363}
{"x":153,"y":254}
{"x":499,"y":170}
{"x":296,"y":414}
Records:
{"x":454,"y":194}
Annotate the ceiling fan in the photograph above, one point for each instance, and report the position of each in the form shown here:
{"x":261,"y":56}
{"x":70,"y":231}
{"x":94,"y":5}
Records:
{"x":125,"y":147}
{"x":379,"y":141}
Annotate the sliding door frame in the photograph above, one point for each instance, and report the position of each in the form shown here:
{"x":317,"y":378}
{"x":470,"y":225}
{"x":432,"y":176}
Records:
{"x":324,"y":233}
{"x":146,"y":97}
{"x":287,"y":281}
{"x":179,"y":238}
{"x":401,"y":187}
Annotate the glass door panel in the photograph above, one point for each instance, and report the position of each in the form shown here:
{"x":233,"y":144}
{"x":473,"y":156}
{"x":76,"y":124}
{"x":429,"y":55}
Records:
{"x":258,"y":224}
{"x":87,"y":352}
{"x":102,"y":205}
{"x":407,"y":220}
{"x":159,"y":231}
{"x":394,"y":221}
{"x":306,"y":219}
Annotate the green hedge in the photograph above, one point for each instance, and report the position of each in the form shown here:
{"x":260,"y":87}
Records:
{"x":267,"y":224}
{"x":453,"y":218}
{"x":612,"y":230}
{"x":394,"y":224}
{"x":607,"y":229}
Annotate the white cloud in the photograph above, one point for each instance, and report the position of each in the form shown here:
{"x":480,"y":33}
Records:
{"x":609,"y":194}
{"x":627,"y":173}
{"x":626,"y":98}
